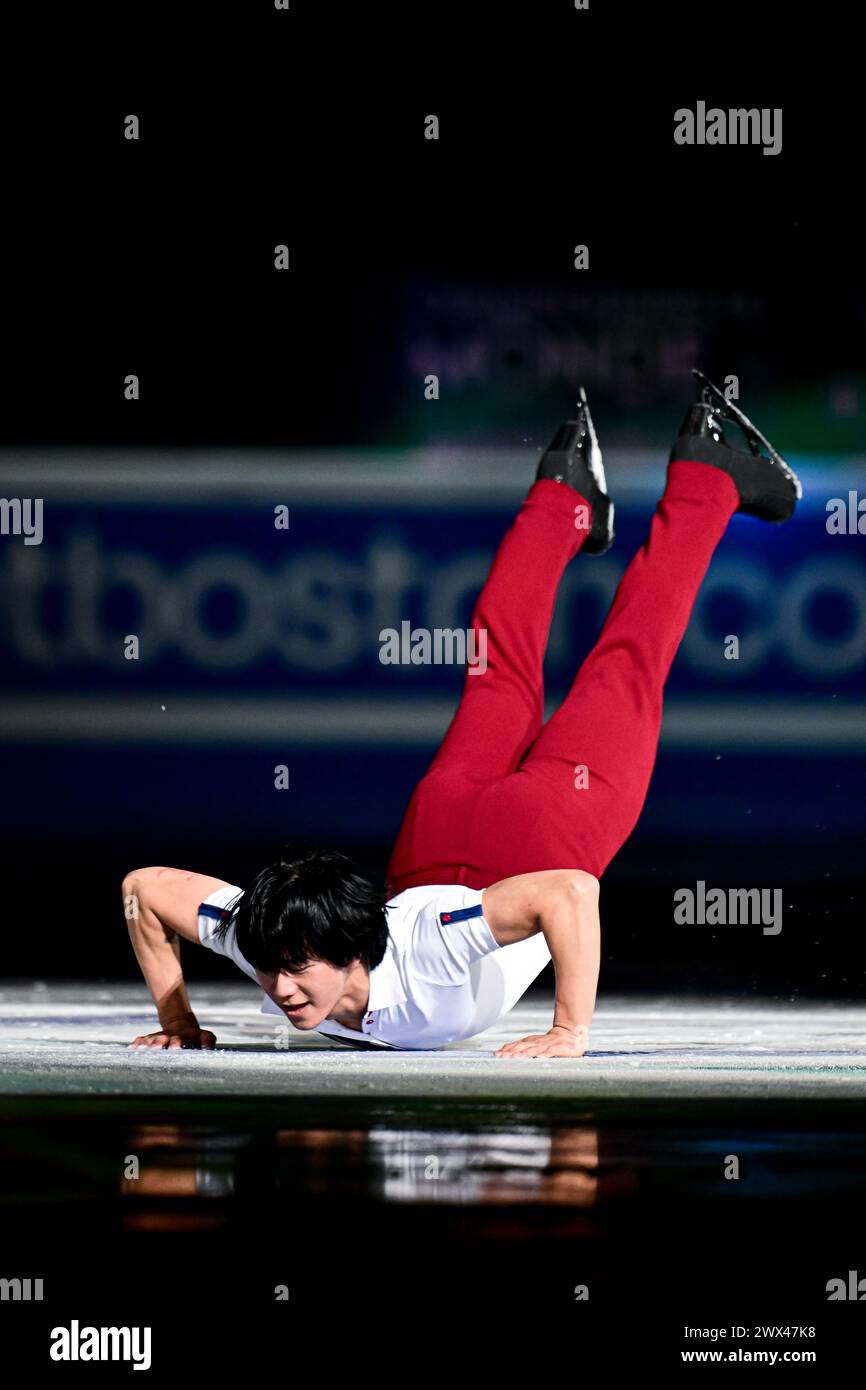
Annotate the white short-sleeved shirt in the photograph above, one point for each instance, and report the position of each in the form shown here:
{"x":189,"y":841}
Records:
{"x":422,"y":993}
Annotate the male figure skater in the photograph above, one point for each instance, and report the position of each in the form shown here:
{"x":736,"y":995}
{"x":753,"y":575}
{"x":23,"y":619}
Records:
{"x":496,"y":867}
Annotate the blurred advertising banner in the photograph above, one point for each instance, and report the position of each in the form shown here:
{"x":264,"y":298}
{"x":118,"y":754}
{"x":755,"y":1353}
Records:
{"x":257,"y":592}
{"x":231,"y":600}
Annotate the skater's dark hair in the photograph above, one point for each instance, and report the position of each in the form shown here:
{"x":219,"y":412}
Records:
{"x":308,"y":904}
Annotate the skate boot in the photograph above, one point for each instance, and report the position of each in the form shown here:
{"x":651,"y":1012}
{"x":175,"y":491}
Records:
{"x":574,"y":457}
{"x":768,"y":488}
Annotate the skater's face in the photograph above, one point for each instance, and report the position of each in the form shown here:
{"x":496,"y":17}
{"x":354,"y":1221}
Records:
{"x":312,"y":991}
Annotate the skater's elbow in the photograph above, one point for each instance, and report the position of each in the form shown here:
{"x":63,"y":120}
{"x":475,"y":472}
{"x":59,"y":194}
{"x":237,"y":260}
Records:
{"x":581,"y":886}
{"x":134,"y":888}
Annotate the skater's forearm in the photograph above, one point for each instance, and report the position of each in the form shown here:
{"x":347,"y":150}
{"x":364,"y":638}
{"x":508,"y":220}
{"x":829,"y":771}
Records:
{"x":157,"y":951}
{"x":161,"y":906}
{"x":563,"y":904}
{"x":573,"y":933}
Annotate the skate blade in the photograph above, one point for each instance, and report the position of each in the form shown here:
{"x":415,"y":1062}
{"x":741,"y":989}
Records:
{"x":732,"y":411}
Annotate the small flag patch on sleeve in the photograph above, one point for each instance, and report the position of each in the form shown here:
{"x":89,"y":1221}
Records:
{"x":215,"y":913}
{"x":460,"y":914}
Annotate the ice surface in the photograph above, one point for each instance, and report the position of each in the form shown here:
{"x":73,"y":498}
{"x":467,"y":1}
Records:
{"x":72,"y":1039}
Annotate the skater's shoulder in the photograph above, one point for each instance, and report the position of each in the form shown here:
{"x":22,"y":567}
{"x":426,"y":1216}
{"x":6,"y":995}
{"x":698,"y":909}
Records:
{"x":430,"y":892}
{"x":433,"y":900}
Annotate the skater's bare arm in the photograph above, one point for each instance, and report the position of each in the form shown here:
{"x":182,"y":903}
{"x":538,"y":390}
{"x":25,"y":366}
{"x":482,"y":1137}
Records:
{"x":563,"y":904}
{"x":161,"y":905}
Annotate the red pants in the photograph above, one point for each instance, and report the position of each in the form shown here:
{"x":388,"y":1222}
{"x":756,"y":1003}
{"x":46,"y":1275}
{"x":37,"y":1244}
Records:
{"x":503,"y":795}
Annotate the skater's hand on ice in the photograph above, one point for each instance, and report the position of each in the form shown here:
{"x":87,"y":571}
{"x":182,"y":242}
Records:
{"x":559,"y":1042}
{"x":183,"y":1033}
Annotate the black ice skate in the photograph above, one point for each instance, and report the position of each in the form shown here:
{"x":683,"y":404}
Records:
{"x":768,"y":488}
{"x":574,"y":457}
